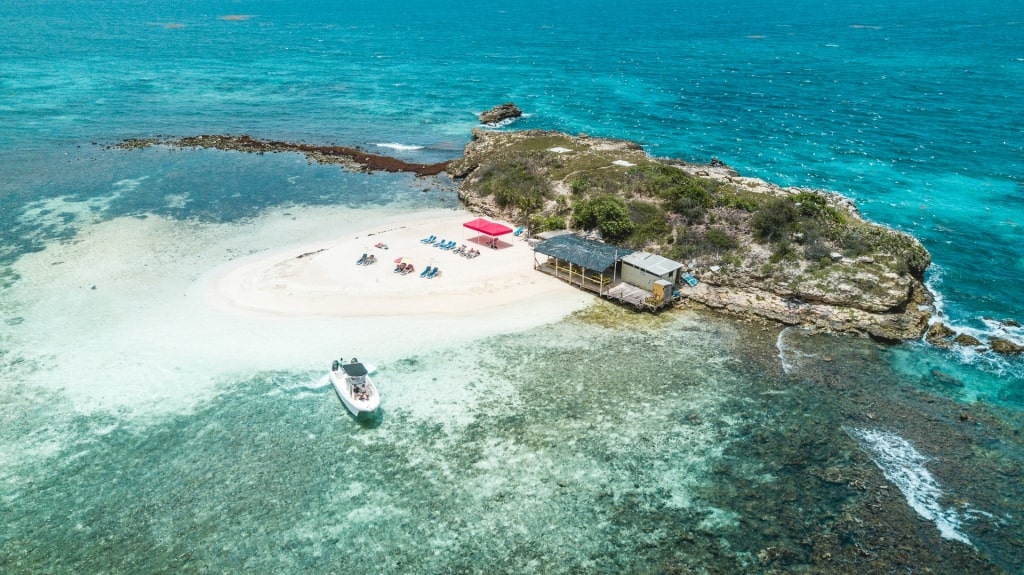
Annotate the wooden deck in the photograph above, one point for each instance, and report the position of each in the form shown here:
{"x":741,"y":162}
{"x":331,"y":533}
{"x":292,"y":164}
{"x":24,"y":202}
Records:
{"x":587,"y":281}
{"x":630,"y":294}
{"x":621,"y":292}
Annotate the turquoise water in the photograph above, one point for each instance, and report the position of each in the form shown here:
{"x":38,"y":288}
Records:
{"x":912,"y":110}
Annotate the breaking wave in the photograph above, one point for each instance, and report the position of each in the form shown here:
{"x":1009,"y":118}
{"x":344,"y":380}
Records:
{"x":904,"y":466}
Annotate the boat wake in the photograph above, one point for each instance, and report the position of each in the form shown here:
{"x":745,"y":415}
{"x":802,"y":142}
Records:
{"x":303,"y":389}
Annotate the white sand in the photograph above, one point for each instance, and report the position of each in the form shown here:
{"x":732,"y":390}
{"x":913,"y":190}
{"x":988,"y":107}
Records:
{"x":141,"y":316}
{"x":323,"y":279}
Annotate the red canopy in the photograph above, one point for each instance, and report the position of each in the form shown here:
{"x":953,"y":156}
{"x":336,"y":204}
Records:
{"x":488,"y":227}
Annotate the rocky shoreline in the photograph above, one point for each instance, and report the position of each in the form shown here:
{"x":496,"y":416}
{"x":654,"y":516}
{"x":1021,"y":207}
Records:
{"x":876,"y":294}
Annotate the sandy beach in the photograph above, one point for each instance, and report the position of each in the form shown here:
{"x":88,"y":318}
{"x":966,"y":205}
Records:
{"x":324,"y":278}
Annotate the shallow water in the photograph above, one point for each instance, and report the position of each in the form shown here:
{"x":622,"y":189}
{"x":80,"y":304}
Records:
{"x":143,"y":433}
{"x":652,"y":446}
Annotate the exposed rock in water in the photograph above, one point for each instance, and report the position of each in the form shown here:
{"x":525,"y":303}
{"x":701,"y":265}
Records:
{"x":505,"y":111}
{"x":1005,"y":347}
{"x":967,"y":340}
{"x":940,"y":335}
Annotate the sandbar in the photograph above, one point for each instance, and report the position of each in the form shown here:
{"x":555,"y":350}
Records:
{"x":323,"y":278}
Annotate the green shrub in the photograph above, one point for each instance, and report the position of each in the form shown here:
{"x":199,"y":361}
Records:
{"x":720,"y":240}
{"x":739,"y":200}
{"x":541,"y":223}
{"x":608,"y":214}
{"x":783,"y":250}
{"x":690,"y":243}
{"x":579,"y":184}
{"x":774,"y":220}
{"x":512,"y":184}
{"x":650,"y":223}
{"x":815,"y":247}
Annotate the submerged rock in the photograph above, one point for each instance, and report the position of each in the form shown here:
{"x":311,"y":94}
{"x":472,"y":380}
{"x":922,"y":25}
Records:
{"x":945,"y":379}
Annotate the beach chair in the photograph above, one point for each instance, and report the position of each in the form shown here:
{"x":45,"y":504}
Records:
{"x":450,"y":245}
{"x":361,"y":260}
{"x":371,"y":259}
{"x":518,"y":231}
{"x":433,"y":273}
{"x":429,"y":239}
{"x":440,"y":244}
{"x":425,"y":272}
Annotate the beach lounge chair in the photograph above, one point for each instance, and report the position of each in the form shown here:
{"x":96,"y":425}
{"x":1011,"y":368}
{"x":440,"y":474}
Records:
{"x":425,"y":272}
{"x":450,"y":245}
{"x":433,"y":273}
{"x":518,"y":231}
{"x":429,"y":239}
{"x":361,"y":260}
{"x":441,"y":244}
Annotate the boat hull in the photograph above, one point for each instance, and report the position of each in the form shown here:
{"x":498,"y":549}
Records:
{"x":361,"y":408}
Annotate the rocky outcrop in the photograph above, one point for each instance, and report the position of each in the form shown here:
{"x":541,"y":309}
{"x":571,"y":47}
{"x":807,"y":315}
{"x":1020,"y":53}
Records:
{"x":746,"y":296}
{"x":506,"y":111}
{"x":942,"y":336}
{"x":1005,"y":347}
{"x":967,"y":340}
{"x":349,"y":158}
{"x":880,"y":294}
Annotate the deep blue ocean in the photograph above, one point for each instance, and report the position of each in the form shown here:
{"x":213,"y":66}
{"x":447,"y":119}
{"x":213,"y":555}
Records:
{"x":911,"y":108}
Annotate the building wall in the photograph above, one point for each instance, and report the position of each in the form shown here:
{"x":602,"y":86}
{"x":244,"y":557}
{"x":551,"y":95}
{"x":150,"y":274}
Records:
{"x":640,"y":278}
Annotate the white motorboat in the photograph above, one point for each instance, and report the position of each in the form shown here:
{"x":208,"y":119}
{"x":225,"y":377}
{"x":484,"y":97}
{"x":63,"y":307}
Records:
{"x":355,"y":388}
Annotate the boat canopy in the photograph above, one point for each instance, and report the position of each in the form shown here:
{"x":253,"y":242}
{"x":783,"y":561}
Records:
{"x":484,"y":226}
{"x":354,"y":369}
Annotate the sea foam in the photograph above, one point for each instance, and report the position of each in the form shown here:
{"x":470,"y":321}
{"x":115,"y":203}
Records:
{"x":904,"y":466}
{"x":397,"y":146}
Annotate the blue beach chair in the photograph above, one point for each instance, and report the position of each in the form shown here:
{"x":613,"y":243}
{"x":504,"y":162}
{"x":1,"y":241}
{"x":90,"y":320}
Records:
{"x":518,"y":231}
{"x":425,"y":272}
{"x":433,"y":273}
{"x":361,"y":260}
{"x":429,"y":239}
